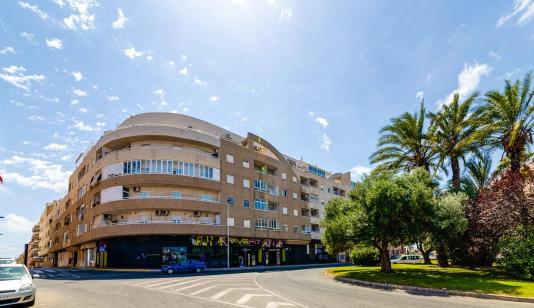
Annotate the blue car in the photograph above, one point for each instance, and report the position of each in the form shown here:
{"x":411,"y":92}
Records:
{"x":187,"y":266}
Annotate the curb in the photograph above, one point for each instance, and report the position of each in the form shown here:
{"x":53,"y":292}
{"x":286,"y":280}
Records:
{"x":442,"y":292}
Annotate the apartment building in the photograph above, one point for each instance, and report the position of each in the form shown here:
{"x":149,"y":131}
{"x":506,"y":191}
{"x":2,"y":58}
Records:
{"x":164,"y":187}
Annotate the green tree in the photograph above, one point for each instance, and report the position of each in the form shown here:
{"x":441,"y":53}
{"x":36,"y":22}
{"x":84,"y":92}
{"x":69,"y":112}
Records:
{"x":478,"y":174}
{"x":450,"y":223}
{"x":383,"y":210}
{"x":454,"y":134}
{"x":405,"y":144}
{"x":507,"y":119}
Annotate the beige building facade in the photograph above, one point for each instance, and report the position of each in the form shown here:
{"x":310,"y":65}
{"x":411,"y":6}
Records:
{"x":164,"y":187}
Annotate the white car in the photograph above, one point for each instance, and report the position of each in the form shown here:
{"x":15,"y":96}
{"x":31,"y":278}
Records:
{"x":408,"y":259}
{"x":16,"y":285}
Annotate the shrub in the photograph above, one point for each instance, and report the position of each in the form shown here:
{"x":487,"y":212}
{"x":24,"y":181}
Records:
{"x":365,"y":255}
{"x":517,"y":252}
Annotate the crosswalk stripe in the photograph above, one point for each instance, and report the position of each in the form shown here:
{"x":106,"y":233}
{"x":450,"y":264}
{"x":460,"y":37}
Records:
{"x":276,"y":304}
{"x":218,"y":285}
{"x":177,"y":284}
{"x":192,"y":286}
{"x":245,"y":298}
{"x":154,"y":281}
{"x":167,"y":281}
{"x":224,"y":292}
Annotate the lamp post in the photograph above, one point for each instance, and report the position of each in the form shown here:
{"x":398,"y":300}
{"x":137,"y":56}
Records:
{"x":227,"y":235}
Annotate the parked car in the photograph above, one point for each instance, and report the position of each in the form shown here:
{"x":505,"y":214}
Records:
{"x":16,"y":285}
{"x":8,"y":261}
{"x":408,"y":259}
{"x":187,"y":266}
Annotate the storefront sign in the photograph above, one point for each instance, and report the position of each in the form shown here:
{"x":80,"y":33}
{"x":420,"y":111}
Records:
{"x":210,"y":241}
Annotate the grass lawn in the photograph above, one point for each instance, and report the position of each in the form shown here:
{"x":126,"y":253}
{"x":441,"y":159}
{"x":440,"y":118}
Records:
{"x":431,"y":276}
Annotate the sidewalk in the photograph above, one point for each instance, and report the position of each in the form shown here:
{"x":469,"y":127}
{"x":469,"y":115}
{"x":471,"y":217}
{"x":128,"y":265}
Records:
{"x":260,"y":268}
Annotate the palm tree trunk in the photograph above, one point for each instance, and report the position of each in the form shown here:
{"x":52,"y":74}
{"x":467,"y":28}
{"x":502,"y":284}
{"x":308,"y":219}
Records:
{"x":455,"y":166}
{"x":515,"y":161}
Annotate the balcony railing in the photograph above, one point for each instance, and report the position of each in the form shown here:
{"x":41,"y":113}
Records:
{"x":174,"y":148}
{"x":191,"y":198}
{"x":200,"y":221}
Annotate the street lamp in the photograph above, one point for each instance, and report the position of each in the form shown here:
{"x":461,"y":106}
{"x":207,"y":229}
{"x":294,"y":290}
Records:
{"x":227,"y":235}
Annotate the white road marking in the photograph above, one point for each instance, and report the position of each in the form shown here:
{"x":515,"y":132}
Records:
{"x":193,"y":285}
{"x":245,"y":298}
{"x":277,"y":304}
{"x":218,"y":285}
{"x":224,"y":292}
{"x":177,"y":284}
{"x":280,"y":296}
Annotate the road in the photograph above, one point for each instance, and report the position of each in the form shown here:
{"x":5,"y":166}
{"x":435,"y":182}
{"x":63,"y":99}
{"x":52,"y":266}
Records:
{"x":305,"y":288}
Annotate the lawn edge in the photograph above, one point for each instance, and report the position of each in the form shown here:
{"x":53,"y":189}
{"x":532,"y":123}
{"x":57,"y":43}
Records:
{"x":446,"y":292}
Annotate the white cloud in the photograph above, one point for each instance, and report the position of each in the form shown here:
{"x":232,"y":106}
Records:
{"x":80,"y":125}
{"x":286,"y":13}
{"x":100,"y":124}
{"x":16,"y":77}
{"x":36,"y":118}
{"x":34,"y":8}
{"x":37,"y":173}
{"x":120,"y":21}
{"x":54,"y":43}
{"x":523,"y":8}
{"x":79,"y":92}
{"x":140,"y":106}
{"x":55,"y":147}
{"x":30,"y":37}
{"x":468,"y":81}
{"x":77,"y":75}
{"x":322,"y":121}
{"x":132,"y":53}
{"x":74,"y":102}
{"x":420,"y":95}
{"x":83,"y":110}
{"x":160,"y":93}
{"x":183,"y":71}
{"x":112,"y":98}
{"x":214,"y":99}
{"x":171,"y":63}
{"x":7,"y":50}
{"x":326,"y":142}
{"x":150,"y":58}
{"x":66,"y":157}
{"x":357,"y":172}
{"x":82,"y":17}
{"x":495,"y":56}
{"x":200,"y":82}
{"x":13,"y":223}
{"x":183,"y":58}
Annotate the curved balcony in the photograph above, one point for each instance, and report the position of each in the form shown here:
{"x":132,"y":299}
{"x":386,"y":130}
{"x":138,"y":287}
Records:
{"x":158,"y":202}
{"x":155,"y":179}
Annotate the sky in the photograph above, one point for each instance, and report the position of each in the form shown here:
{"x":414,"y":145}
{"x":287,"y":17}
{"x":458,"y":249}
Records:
{"x":317,"y":79}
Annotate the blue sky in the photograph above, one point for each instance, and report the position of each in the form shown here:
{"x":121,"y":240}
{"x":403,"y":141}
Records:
{"x":315,"y":78}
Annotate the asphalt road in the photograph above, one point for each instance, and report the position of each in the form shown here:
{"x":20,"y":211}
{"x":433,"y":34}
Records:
{"x":289,"y":288}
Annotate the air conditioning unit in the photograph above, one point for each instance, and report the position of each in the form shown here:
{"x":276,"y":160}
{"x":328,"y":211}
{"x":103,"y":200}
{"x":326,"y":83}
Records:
{"x":162,"y":213}
{"x":257,"y":148}
{"x":107,"y":216}
{"x":228,"y":136}
{"x":137,"y":188}
{"x":196,"y":214}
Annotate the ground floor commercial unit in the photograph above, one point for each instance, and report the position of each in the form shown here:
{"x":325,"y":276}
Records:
{"x":153,"y":251}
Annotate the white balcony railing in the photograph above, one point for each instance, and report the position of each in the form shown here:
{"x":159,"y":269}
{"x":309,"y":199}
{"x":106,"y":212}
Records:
{"x":190,"y":198}
{"x":176,"y":221}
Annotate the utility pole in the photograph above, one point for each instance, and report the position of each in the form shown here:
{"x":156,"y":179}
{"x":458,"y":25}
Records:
{"x":227,"y":235}
{"x":26,"y":254}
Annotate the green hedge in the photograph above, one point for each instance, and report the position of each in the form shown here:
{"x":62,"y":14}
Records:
{"x":517,"y":252}
{"x":365,"y":255}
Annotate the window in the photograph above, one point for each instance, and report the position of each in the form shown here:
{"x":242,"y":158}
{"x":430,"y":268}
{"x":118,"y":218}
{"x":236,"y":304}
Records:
{"x":246,"y":223}
{"x":229,"y":179}
{"x":206,"y":197}
{"x":284,"y":210}
{"x":284,"y":176}
{"x":230,"y":221}
{"x":229,"y":158}
{"x":144,"y":194}
{"x":295,"y":196}
{"x":294,"y":179}
{"x":246,"y":164}
{"x":283,"y":193}
{"x":230,"y":200}
{"x":246,"y":183}
{"x":246,"y":204}
{"x":176,"y":195}
{"x":167,"y":167}
{"x":260,"y":185}
{"x":260,"y":204}
{"x":286,"y":228}
{"x":295,"y":212}
{"x":296,"y":229}
{"x":266,"y":223}
{"x":316,"y":170}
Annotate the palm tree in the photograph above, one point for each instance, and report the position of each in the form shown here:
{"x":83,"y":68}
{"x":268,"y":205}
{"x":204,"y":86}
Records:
{"x":454,"y":134}
{"x":478,"y":175}
{"x":405,"y":144}
{"x":507,"y":120}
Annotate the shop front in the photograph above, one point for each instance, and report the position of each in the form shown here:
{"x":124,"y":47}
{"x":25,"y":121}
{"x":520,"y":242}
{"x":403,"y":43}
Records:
{"x":154,"y":251}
